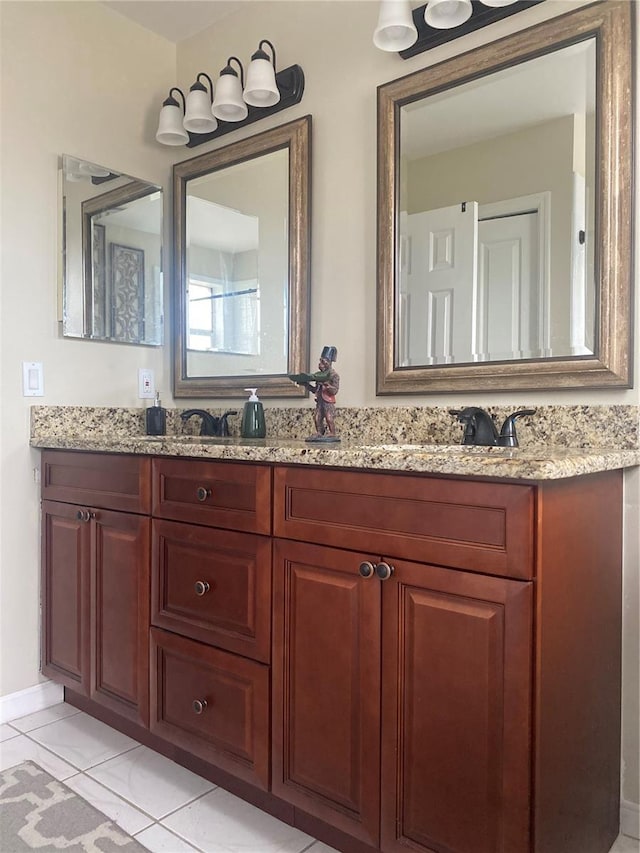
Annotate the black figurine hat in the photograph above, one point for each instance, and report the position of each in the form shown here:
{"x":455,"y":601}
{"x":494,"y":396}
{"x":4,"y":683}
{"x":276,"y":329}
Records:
{"x":329,"y":353}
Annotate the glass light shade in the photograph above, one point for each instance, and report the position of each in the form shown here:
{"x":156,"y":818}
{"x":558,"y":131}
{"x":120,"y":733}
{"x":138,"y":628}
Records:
{"x":198,"y":117}
{"x":497,"y":2}
{"x":395,"y":30}
{"x":445,"y":14}
{"x":170,"y":129}
{"x":228,"y":104}
{"x":260,"y":89}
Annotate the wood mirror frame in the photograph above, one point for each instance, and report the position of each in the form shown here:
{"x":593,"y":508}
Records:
{"x":296,"y":137}
{"x":611,"y":366}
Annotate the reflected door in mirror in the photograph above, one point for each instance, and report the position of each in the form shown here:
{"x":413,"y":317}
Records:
{"x":516,"y":151}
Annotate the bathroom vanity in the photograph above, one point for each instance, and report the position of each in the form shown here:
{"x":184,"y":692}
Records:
{"x":387,"y":659}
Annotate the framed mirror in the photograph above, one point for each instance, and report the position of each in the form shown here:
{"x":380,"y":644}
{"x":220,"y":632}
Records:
{"x":241,"y":226}
{"x":111,"y":255}
{"x":504,"y":213}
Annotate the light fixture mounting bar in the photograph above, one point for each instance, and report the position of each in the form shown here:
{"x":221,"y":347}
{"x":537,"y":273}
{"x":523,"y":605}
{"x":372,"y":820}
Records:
{"x":290,"y":82}
{"x":481,"y":15}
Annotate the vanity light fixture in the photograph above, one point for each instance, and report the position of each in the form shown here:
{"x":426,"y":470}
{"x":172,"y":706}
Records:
{"x":396,"y":30}
{"x":261,"y":89}
{"x":445,"y":14}
{"x":198,"y":117}
{"x":228,"y":104}
{"x":438,"y":21}
{"x":210,"y":112}
{"x":170,"y":125}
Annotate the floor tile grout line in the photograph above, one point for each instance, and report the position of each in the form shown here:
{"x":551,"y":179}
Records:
{"x":194,"y":800}
{"x":131,"y":803}
{"x":35,"y":728}
{"x":69,"y":762}
{"x":175,"y":835}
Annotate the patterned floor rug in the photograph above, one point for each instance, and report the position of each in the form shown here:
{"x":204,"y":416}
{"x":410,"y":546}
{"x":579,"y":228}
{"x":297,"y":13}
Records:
{"x":39,"y":813}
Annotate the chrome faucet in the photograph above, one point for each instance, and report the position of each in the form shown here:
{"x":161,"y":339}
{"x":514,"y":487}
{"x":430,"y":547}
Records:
{"x":210,"y":424}
{"x":480,"y":429}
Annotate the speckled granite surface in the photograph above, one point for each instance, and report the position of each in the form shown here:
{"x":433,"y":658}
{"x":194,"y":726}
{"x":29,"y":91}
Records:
{"x":557,"y":442}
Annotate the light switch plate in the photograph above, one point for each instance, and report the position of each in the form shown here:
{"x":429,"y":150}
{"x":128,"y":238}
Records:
{"x":32,"y":379}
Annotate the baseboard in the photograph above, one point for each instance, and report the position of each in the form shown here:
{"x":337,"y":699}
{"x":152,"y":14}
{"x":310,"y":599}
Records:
{"x":630,"y":819}
{"x":28,"y":701}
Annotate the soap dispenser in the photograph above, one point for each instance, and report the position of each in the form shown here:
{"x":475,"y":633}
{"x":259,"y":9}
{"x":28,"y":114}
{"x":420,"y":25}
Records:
{"x":156,"y":418}
{"x":253,"y":424}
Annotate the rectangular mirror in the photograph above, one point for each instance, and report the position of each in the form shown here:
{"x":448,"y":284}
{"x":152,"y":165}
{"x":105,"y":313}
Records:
{"x":242,"y":266}
{"x":504,"y":213}
{"x":111,"y":255}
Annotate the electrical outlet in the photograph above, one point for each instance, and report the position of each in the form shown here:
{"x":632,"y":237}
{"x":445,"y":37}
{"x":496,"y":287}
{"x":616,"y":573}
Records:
{"x":146,"y":384}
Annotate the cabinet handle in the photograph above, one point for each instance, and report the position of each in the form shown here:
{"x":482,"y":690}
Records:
{"x":366,"y":569}
{"x":201,"y":587}
{"x":384,"y":571}
{"x":202,"y":493}
{"x":199,"y":705}
{"x":83,"y":515}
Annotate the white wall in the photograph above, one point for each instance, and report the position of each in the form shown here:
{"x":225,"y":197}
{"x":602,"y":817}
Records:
{"x":78,"y":79}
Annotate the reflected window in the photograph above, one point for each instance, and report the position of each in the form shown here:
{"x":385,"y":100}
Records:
{"x":224,"y":318}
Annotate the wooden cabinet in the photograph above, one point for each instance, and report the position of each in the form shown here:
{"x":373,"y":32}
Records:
{"x":96,"y":582}
{"x":389,"y":661}
{"x":211,"y":612}
{"x":416,"y":699}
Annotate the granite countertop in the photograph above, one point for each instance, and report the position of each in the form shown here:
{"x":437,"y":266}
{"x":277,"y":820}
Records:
{"x":524,"y":463}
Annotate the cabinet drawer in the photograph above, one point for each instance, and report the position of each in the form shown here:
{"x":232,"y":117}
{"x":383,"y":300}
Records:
{"x":108,"y":481}
{"x":213,"y":586}
{"x":232,"y":729}
{"x":481,"y":527}
{"x":220,"y":494}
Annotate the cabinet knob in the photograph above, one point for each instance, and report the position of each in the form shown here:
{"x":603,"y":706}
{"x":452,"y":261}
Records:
{"x":384,"y":571}
{"x":201,"y":587}
{"x":203,"y":493}
{"x":85,"y":515}
{"x":199,"y":705}
{"x":366,"y":569}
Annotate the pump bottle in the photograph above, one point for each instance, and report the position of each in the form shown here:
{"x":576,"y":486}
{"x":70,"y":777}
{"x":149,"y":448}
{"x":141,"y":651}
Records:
{"x":253,"y":424}
{"x":156,"y":418}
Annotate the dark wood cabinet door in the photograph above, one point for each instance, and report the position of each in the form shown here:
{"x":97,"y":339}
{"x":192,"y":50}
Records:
{"x":456,"y":712}
{"x":213,"y":704}
{"x":120,"y":613}
{"x":326,"y":686}
{"x":213,"y":586}
{"x":66,"y":543}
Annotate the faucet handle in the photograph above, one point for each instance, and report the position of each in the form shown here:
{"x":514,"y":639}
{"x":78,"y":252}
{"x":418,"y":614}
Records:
{"x":508,"y":436}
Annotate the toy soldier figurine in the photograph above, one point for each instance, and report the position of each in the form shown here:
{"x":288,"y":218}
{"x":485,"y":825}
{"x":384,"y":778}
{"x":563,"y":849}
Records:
{"x":325,"y":385}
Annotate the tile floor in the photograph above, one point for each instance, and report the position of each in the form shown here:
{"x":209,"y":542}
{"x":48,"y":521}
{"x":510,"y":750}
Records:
{"x":166,"y":808}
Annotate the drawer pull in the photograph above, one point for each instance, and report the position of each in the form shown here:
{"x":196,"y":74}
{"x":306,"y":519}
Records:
{"x":85,"y":515}
{"x":384,"y":571}
{"x":202,"y":493}
{"x":199,"y":705}
{"x":201,"y":587}
{"x":366,"y":569}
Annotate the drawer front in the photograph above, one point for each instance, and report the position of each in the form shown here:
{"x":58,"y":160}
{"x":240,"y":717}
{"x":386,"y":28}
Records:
{"x":481,"y":527}
{"x":213,"y":586}
{"x":211,"y":703}
{"x":219,"y":494}
{"x":108,"y":481}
